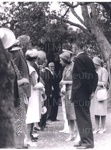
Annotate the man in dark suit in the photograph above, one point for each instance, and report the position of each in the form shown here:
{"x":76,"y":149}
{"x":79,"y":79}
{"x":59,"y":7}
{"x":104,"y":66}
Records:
{"x":84,"y":85}
{"x":46,"y":76}
{"x":54,"y":101}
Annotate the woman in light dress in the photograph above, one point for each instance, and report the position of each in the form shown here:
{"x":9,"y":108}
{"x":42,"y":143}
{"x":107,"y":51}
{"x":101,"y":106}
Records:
{"x":34,"y":105}
{"x":100,"y":107}
{"x":66,"y":82}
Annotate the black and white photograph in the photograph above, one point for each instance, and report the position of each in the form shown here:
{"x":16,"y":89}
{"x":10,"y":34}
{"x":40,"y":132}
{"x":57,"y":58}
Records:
{"x":55,"y":75}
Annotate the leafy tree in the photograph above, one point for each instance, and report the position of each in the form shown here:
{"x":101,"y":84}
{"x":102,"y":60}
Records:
{"x":95,"y":18}
{"x":34,"y":19}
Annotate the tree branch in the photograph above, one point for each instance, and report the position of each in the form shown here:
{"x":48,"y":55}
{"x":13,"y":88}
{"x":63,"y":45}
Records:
{"x":71,"y":5}
{"x":86,"y":17}
{"x":73,"y":24}
{"x":84,"y":3}
{"x":65,"y":13}
{"x":75,"y":14}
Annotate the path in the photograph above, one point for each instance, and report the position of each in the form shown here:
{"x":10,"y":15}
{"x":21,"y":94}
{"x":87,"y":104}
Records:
{"x":52,"y":139}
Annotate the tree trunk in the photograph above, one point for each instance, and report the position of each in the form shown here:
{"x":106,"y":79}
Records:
{"x":100,"y":39}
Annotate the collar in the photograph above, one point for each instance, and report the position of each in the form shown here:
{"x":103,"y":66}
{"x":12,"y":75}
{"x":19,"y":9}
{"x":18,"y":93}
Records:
{"x":79,"y":53}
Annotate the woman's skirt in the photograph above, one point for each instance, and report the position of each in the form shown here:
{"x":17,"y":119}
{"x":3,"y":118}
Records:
{"x":70,"y":111}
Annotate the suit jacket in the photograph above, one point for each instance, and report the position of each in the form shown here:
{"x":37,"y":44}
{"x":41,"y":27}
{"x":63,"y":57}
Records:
{"x":84,"y":78}
{"x":55,"y":83}
{"x":47,"y":78}
{"x":21,"y":63}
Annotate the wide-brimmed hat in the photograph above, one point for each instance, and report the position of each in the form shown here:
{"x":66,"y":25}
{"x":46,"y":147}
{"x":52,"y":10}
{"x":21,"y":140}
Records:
{"x":32,"y":53}
{"x":16,"y":46}
{"x":65,"y":56}
{"x":7,"y":37}
{"x":97,"y":61}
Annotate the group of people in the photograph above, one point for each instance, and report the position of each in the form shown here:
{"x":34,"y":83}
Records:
{"x":82,"y":78}
{"x":33,"y":86}
{"x":30,"y":91}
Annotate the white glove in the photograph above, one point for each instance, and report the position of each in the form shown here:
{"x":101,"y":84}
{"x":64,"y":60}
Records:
{"x":39,"y":86}
{"x":63,"y":89}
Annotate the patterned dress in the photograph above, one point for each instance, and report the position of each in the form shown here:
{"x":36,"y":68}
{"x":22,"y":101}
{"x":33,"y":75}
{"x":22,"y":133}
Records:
{"x":20,"y":112}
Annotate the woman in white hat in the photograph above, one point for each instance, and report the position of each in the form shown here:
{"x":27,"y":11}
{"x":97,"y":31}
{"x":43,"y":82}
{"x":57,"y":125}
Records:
{"x":34,"y":105}
{"x":8,"y":39}
{"x":100,"y":107}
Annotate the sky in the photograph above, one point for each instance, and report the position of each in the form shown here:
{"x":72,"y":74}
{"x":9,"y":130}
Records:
{"x":55,"y":6}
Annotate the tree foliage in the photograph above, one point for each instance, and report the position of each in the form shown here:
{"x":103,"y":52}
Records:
{"x":34,"y":19}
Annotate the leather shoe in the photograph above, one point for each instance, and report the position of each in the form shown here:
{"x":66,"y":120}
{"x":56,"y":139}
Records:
{"x":77,"y":145}
{"x":85,"y":147}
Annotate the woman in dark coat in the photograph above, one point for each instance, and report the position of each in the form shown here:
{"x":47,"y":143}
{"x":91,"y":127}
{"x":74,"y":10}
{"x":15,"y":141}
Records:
{"x":11,"y":93}
{"x":6,"y":101}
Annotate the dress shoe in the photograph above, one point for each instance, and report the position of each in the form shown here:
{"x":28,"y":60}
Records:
{"x":96,"y":131}
{"x":37,"y":128}
{"x":78,"y":144}
{"x":31,"y":144}
{"x":70,"y":138}
{"x":64,"y":131}
{"x":85,"y":147}
{"x":24,"y":147}
{"x":42,"y":128}
{"x":102,"y":131}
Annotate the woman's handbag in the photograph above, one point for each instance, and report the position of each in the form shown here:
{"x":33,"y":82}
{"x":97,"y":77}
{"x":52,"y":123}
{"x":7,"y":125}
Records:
{"x":44,"y":110}
{"x":102,"y":94}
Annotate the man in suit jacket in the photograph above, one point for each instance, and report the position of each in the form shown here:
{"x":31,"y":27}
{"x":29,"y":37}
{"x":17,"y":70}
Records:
{"x":46,"y":75}
{"x":54,"y":102}
{"x":84,"y":84}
